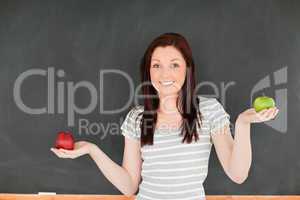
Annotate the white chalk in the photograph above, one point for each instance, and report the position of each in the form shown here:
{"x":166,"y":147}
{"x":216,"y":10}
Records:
{"x":47,"y":193}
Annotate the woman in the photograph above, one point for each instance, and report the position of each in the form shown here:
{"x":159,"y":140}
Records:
{"x":168,"y":139}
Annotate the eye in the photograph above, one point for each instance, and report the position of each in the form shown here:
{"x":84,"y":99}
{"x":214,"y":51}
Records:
{"x":155,"y":65}
{"x":174,"y":65}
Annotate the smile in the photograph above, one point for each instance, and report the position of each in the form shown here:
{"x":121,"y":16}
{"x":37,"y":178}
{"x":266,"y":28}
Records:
{"x":166,"y":83}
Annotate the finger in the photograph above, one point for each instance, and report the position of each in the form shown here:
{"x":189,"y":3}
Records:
{"x":262,"y":112}
{"x":54,"y":150}
{"x":63,"y":155}
{"x":69,"y":155}
{"x":275,"y":114}
{"x":252,"y":110}
{"x":275,"y":110}
{"x":78,"y":144}
{"x":72,"y":153}
{"x":59,"y":153}
{"x":66,"y":151}
{"x":270,"y":113}
{"x":263,"y":115}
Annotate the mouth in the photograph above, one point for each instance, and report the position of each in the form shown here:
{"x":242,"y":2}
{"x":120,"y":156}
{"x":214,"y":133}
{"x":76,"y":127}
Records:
{"x":166,"y":83}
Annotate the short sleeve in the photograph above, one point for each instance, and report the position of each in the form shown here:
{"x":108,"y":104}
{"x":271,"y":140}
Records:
{"x":219,"y":117}
{"x":131,"y":125}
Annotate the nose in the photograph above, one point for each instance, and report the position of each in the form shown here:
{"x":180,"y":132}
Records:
{"x":165,"y":73}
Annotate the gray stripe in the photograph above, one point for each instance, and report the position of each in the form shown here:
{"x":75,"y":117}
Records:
{"x":202,"y":138}
{"x":185,"y":147}
{"x":179,"y":172}
{"x":175,"y":181}
{"x":177,"y":141}
{"x":168,"y":188}
{"x":170,"y":166}
{"x":175,"y":195}
{"x":171,"y":157}
{"x":143,"y":197}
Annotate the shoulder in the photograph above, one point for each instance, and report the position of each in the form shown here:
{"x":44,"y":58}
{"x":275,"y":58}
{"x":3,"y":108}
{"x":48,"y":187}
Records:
{"x":135,"y":112}
{"x":204,"y":99}
{"x":209,"y":105}
{"x":130,"y":126}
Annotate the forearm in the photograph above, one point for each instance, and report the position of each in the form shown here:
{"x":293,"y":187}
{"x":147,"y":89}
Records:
{"x":116,"y":174}
{"x":241,"y":156}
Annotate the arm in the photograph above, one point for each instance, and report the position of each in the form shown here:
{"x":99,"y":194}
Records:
{"x":126,"y":177}
{"x":235,"y":155}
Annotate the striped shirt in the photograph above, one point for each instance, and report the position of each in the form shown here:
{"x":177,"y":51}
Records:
{"x":172,"y":169}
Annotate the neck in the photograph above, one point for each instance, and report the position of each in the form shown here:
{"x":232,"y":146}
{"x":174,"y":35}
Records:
{"x":167,"y":104}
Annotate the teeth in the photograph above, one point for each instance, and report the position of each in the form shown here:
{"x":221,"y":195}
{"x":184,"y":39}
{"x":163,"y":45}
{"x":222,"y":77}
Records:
{"x":167,"y":82}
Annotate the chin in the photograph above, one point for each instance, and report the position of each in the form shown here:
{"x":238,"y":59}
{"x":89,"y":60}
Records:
{"x":164,"y":92}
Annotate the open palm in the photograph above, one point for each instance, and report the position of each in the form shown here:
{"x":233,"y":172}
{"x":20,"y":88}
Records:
{"x":80,"y":148}
{"x":251,"y":116}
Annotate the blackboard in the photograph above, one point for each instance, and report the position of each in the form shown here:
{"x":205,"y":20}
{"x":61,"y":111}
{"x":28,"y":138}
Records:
{"x":241,"y":49}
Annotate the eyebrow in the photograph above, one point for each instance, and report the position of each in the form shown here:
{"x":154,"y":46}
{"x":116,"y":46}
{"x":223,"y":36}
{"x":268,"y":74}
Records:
{"x":171,"y":60}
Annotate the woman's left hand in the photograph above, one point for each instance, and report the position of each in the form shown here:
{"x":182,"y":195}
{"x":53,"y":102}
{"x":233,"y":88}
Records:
{"x":251,"y":116}
{"x":80,"y":148}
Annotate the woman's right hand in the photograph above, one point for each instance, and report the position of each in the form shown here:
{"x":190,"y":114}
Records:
{"x":80,"y":148}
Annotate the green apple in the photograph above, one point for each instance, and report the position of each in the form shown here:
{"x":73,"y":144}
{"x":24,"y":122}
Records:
{"x":263,"y":102}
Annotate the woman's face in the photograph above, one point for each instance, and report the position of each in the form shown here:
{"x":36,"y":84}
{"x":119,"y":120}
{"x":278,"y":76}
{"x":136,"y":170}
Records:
{"x":167,"y":70}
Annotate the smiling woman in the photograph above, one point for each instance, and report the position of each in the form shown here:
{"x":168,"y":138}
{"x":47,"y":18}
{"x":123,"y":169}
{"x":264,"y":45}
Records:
{"x":172,"y":163}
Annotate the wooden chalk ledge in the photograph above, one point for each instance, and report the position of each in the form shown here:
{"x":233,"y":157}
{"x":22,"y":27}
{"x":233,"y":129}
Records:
{"x":46,"y":196}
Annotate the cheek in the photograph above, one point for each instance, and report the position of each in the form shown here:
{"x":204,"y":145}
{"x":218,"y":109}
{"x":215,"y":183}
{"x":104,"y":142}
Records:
{"x":154,"y":79}
{"x":181,"y":75}
{"x":153,"y":76}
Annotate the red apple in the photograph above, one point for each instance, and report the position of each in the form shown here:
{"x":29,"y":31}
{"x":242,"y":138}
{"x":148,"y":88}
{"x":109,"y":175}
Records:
{"x":64,"y":140}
